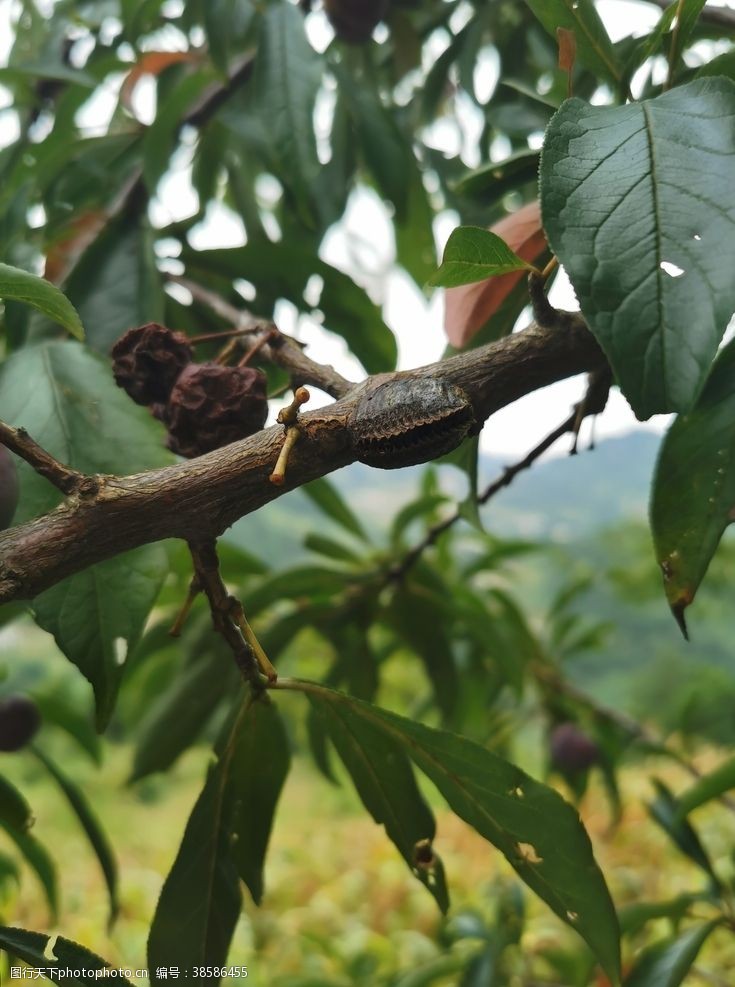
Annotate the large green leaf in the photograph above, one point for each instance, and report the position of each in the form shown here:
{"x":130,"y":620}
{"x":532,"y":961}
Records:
{"x":260,"y":764}
{"x":473,"y":254}
{"x":283,"y":270}
{"x":631,"y":207}
{"x":384,"y":779}
{"x":666,"y":964}
{"x":65,"y":397}
{"x":115,"y":284}
{"x":18,"y":285}
{"x":181,"y":712}
{"x":90,"y":824}
{"x":287,"y":77}
{"x":539,"y":833}
{"x":594,"y":47}
{"x":225,"y":838}
{"x":92,"y":628}
{"x":62,"y":956}
{"x":693,"y":493}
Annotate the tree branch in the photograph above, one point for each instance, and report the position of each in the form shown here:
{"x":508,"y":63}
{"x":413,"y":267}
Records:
{"x":198,"y":499}
{"x":68,"y":481}
{"x":282,"y":350}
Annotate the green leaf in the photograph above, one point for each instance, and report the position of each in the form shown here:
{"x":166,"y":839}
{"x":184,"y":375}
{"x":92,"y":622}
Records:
{"x":473,"y":254}
{"x":594,"y":47}
{"x":287,"y":77}
{"x":710,"y":786}
{"x":693,"y":491}
{"x":664,"y":810}
{"x":226,"y":23}
{"x":161,"y":136}
{"x":330,"y":548}
{"x":96,"y":633}
{"x":539,"y":833}
{"x":60,"y":711}
{"x":65,"y":397}
{"x":385,"y":782}
{"x":225,"y":838}
{"x":688,"y":14}
{"x":14,"y":810}
{"x":634,"y":917}
{"x":260,"y":766}
{"x":115,"y":285}
{"x":283,"y":270}
{"x":416,"y":616}
{"x":37,"y":949}
{"x":330,"y":501}
{"x":90,"y":824}
{"x":491,"y":181}
{"x":181,"y":712}
{"x":628,"y":208}
{"x":384,"y":147}
{"x":414,"y":231}
{"x":666,"y":964}
{"x":38,"y":859}
{"x":18,"y":285}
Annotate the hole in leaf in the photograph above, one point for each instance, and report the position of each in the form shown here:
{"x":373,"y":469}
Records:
{"x":528,"y":852}
{"x":572,"y":916}
{"x":697,"y":236}
{"x":120,"y":646}
{"x":671,"y":269}
{"x":517,"y":792}
{"x":48,"y":952}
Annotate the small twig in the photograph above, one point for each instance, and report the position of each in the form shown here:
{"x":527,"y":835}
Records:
{"x":221,"y":604}
{"x":279,"y":349}
{"x":178,"y":624}
{"x":65,"y":479}
{"x":268,"y":337}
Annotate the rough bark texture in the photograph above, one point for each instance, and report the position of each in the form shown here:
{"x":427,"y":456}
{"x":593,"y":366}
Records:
{"x":197,"y":500}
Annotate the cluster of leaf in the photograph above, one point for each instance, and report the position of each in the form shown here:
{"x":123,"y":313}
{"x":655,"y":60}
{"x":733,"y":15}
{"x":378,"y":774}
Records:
{"x":634,"y":205}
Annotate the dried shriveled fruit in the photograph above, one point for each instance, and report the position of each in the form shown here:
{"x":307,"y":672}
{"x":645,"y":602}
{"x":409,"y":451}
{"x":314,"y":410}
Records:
{"x":19,"y":722}
{"x":571,"y":750}
{"x":147,"y":361}
{"x":211,"y":406}
{"x":8,"y":488}
{"x":355,"y":20}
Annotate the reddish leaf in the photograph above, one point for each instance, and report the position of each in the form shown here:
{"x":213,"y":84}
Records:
{"x":567,"y":48}
{"x":468,"y":307}
{"x":78,"y":235}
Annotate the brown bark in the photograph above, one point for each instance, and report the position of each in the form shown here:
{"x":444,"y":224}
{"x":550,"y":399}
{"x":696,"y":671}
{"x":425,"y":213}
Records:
{"x":197,"y":500}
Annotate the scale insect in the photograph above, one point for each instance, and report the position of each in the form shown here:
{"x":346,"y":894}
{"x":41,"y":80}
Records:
{"x":409,"y":420}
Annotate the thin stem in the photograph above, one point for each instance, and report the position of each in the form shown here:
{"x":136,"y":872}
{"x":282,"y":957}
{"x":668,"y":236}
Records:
{"x":67,"y":480}
{"x":673,"y":46}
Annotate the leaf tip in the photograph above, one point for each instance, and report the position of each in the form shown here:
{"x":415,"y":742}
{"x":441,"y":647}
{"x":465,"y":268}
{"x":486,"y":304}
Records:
{"x":677,"y":609}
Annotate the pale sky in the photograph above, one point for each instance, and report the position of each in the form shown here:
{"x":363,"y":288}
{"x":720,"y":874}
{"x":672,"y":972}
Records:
{"x":362,"y":245}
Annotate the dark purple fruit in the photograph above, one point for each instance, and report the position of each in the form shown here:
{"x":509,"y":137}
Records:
{"x":8,"y":488}
{"x":19,"y":722}
{"x":211,"y":406}
{"x":355,"y":20}
{"x":572,"y":751}
{"x":147,"y":361}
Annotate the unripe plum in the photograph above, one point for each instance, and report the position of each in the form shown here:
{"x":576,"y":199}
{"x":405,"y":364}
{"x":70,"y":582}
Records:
{"x":571,"y":750}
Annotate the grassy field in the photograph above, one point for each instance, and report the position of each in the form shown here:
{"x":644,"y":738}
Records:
{"x":340,"y":906}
